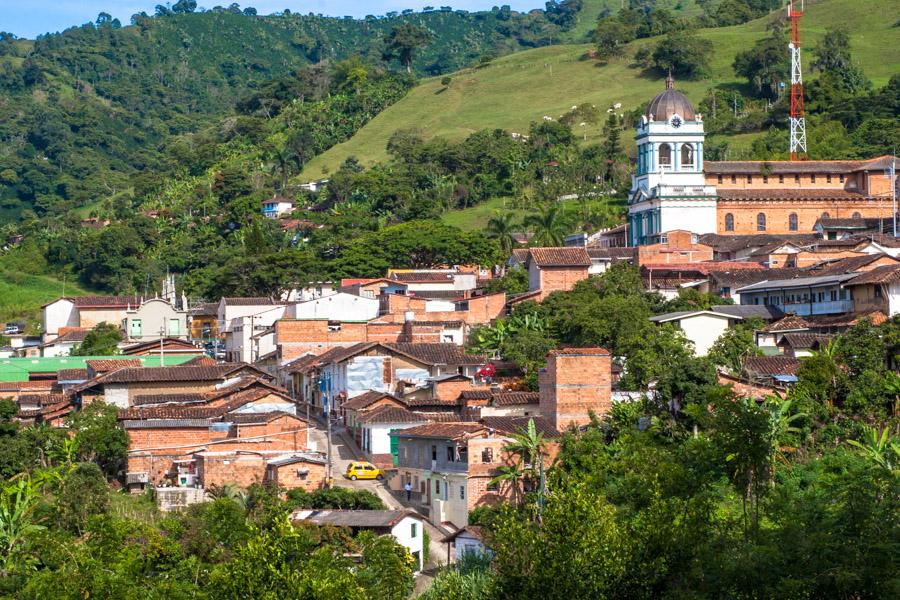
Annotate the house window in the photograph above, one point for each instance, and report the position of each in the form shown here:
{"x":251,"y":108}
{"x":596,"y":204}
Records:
{"x":174,"y":327}
{"x":856,"y":215}
{"x":412,"y":530}
{"x":451,"y":454}
{"x":135,"y":328}
{"x":729,"y":222}
{"x":761,"y":222}
{"x":687,"y":155}
{"x":334,"y":325}
{"x":749,"y":178}
{"x":487,"y":455}
{"x":878,"y":291}
{"x":825,"y":215}
{"x":734,"y":179}
{"x":792,"y":222}
{"x":665,"y":155}
{"x":765,"y":179}
{"x":462,"y":492}
{"x":720,"y":179}
{"x":781,"y":179}
{"x":437,"y":488}
{"x":828,"y":178}
{"x":834,"y":295}
{"x":433,"y":452}
{"x":812,"y":178}
{"x":841,"y":178}
{"x":796,"y":178}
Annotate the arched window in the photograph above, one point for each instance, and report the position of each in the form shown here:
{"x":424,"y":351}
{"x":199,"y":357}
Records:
{"x":825,"y":215}
{"x":856,"y":215}
{"x":665,"y":156}
{"x":761,"y":222}
{"x":687,"y":155}
{"x":792,"y":222}
{"x":729,"y":222}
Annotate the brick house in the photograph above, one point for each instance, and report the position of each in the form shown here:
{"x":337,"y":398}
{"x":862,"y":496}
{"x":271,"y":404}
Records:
{"x":199,"y":440}
{"x":556,"y":269}
{"x":306,"y":471}
{"x":450,"y":465}
{"x":343,"y":373}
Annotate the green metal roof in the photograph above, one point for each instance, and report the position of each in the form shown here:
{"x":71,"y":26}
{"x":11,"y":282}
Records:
{"x":19,"y":369}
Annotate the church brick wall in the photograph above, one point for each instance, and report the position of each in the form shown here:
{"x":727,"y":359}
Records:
{"x":778,"y":213}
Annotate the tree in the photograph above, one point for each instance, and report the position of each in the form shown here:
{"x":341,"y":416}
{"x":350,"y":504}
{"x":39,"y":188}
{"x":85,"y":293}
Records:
{"x":549,"y":226}
{"x":82,"y":493}
{"x":403,"y":41}
{"x":500,"y":227}
{"x":736,"y":344}
{"x":611,"y":36}
{"x":683,"y":54}
{"x":765,"y":66}
{"x":100,"y":439}
{"x":103,"y":340}
{"x":832,"y":57}
{"x":18,"y":503}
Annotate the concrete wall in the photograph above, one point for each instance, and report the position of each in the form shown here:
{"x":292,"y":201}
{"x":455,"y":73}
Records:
{"x":154,"y":315}
{"x":409,"y":534}
{"x":61,"y":313}
{"x":703,"y":330}
{"x":337,"y":307}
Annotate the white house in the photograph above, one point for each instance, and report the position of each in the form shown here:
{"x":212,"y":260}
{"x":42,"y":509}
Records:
{"x":336,"y":307}
{"x":276,"y":206}
{"x":702,"y":327}
{"x":467,"y":541}
{"x":669,"y":190}
{"x":248,"y":337}
{"x":404,"y":525}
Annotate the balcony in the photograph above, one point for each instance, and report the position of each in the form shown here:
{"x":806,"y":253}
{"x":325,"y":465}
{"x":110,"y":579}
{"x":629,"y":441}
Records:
{"x":808,"y":309}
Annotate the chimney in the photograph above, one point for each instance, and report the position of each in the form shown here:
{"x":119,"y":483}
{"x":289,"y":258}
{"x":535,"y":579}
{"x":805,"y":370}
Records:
{"x":577,"y":381}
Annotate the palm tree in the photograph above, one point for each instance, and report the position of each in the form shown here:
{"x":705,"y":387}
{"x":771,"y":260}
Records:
{"x":500,"y":227}
{"x":528,"y":446}
{"x":548,"y":225}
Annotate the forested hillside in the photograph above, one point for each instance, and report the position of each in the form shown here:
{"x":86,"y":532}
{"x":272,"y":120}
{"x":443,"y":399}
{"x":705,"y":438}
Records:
{"x":84,"y":110}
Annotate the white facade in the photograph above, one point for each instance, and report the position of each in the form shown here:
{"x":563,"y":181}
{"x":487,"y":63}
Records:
{"x":59,"y":349}
{"x":312,"y":291}
{"x":702,"y":328}
{"x":336,"y":307}
{"x":245,"y":340}
{"x":60,"y":313}
{"x":467,"y":543}
{"x":408,"y":533}
{"x":376,"y":438}
{"x":668,"y":190}
{"x":450,"y":503}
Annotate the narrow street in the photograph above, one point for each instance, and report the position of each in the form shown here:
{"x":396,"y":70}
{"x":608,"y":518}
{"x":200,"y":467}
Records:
{"x":344,"y":450}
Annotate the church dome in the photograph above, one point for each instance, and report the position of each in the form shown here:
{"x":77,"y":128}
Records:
{"x":670,"y":102}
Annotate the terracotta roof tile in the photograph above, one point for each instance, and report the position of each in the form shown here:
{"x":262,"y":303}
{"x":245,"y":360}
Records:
{"x":248,"y":301}
{"x":767,"y":366}
{"x":791,"y":194}
{"x":106,"y":301}
{"x":560,"y":257}
{"x":72,"y":375}
{"x":789,"y":322}
{"x":367,"y":399}
{"x":167,"y":399}
{"x":776,"y":167}
{"x":106,"y":365}
{"x":438,"y":354}
{"x":878,"y":275}
{"x":513,"y":425}
{"x":414,"y":277}
{"x":805,"y":341}
{"x":452,"y":430}
{"x":390,"y":414}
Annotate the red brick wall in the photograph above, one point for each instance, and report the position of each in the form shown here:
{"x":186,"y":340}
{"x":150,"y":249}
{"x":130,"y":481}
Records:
{"x":777,"y":213}
{"x":242,"y":470}
{"x":575,"y":381}
{"x":678,"y":249}
{"x":450,"y":390}
{"x":559,"y":279}
{"x":287,"y":477}
{"x":295,"y":337}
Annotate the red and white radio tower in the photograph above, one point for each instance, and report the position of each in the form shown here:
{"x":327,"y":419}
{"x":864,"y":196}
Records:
{"x":798,"y":114}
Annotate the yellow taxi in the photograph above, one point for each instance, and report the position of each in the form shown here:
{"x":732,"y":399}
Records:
{"x":359,"y":469}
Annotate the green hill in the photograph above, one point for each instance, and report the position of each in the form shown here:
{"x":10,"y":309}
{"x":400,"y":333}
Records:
{"x":515,"y":90}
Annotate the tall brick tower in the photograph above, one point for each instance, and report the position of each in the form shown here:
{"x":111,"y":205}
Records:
{"x":576,"y":381}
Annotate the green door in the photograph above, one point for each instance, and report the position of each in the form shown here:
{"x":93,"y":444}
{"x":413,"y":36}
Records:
{"x":394,"y":446}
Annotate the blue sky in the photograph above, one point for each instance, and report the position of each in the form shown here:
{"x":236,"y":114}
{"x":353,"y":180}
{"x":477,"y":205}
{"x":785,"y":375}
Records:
{"x":30,"y":18}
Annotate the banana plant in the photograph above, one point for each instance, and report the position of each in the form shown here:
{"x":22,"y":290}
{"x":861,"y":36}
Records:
{"x":880,"y":448}
{"x":18,"y":499}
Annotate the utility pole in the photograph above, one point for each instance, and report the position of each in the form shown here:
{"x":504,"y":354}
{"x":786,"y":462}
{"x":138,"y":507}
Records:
{"x":162,"y":352}
{"x":894,"y":190}
{"x":327,"y":408}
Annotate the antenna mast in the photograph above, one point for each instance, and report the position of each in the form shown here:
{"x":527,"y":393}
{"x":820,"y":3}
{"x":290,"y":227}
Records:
{"x":798,"y":114}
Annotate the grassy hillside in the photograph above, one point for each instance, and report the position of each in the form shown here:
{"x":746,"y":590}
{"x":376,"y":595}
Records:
{"x":22,"y":294}
{"x":520,"y":88}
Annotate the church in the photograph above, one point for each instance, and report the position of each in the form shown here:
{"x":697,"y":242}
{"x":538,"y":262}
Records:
{"x":675,"y":189}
